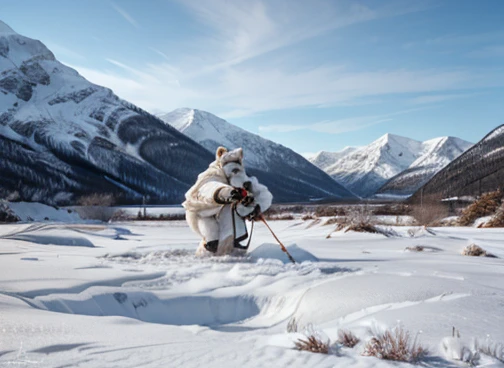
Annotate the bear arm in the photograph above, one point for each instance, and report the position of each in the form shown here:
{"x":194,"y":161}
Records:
{"x":215,"y":192}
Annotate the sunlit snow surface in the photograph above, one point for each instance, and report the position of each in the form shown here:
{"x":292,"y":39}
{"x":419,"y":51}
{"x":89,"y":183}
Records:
{"x":136,"y":296}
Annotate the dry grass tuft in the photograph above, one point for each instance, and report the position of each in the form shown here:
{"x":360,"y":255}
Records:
{"x":308,"y":216}
{"x":362,"y":228}
{"x":347,"y":338}
{"x":284,"y":217}
{"x":416,"y":248}
{"x":292,"y":326}
{"x":395,"y":345}
{"x":313,"y":344}
{"x":474,"y":250}
{"x":486,"y":205}
{"x":491,"y":349}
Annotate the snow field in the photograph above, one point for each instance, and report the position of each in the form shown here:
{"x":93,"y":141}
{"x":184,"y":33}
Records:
{"x":140,"y":298}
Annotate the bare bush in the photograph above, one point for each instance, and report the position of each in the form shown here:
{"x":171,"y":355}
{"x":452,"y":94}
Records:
{"x":474,"y":250}
{"x":360,"y":215}
{"x":312,"y":344}
{"x":347,"y":338}
{"x":395,"y":345}
{"x":396,"y":209}
{"x":486,"y":205}
{"x":99,"y":213}
{"x":308,"y":216}
{"x":97,"y":199}
{"x":429,"y":213}
{"x":330,"y":211}
{"x":120,"y":215}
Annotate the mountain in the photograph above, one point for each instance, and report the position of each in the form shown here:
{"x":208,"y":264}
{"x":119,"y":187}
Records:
{"x":289,"y":176}
{"x":478,"y":170}
{"x":62,"y":136}
{"x":366,"y":169}
{"x":436,"y":154}
{"x":324,"y":159}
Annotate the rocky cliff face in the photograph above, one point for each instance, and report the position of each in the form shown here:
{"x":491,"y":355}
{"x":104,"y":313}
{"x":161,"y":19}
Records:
{"x":62,"y":136}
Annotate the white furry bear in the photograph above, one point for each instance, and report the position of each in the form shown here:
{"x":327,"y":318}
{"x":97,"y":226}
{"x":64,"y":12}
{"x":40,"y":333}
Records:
{"x":220,"y":201}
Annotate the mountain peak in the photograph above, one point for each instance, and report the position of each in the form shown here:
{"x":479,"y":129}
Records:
{"x":5,"y":29}
{"x":271,"y":162}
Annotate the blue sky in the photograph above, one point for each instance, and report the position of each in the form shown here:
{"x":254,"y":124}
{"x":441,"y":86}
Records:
{"x":312,"y":75}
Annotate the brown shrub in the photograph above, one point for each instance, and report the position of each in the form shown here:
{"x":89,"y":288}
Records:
{"x":395,"y":345}
{"x":396,"y":209}
{"x":329,"y":211}
{"x":362,"y":228}
{"x":474,"y":250}
{"x":486,"y":205}
{"x":100,"y":213}
{"x":497,"y":220}
{"x":429,"y":213}
{"x":97,"y":199}
{"x":312,"y":344}
{"x":347,"y":338}
{"x":308,"y":216}
{"x":334,"y":220}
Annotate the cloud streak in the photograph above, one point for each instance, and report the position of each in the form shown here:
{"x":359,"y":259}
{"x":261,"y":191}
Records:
{"x":126,"y":15}
{"x":336,"y":126}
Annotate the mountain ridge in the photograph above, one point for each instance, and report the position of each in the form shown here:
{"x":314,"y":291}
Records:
{"x":366,"y":170}
{"x":301,"y":180}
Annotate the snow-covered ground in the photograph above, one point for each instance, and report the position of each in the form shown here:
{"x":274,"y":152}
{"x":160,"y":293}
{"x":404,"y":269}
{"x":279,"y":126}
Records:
{"x":133,"y":294}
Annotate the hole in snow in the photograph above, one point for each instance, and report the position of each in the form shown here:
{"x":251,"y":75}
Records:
{"x":145,"y":306}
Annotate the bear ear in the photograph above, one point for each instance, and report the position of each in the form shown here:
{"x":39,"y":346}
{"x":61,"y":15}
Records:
{"x":220,"y":151}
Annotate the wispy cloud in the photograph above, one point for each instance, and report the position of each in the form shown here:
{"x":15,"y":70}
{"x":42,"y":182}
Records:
{"x":226,"y":69}
{"x":490,"y":51}
{"x":244,"y":29}
{"x":336,"y":126}
{"x":125,"y":15}
{"x":429,"y":99}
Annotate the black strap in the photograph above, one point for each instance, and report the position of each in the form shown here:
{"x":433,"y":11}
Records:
{"x":217,"y":198}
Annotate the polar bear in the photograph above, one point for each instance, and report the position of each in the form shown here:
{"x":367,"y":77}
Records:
{"x":220,"y":201}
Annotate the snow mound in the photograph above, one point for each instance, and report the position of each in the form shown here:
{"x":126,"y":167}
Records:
{"x":273,"y":251}
{"x":72,"y":241}
{"x":27,"y":211}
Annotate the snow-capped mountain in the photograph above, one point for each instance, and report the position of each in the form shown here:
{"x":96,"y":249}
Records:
{"x":289,"y":176}
{"x":436,"y":154}
{"x":478,"y":170}
{"x":324,"y":159}
{"x":62,"y":136}
{"x":366,"y":169}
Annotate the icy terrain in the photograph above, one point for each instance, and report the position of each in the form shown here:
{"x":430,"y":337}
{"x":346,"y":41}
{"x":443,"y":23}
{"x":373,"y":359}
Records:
{"x":62,"y":136}
{"x":289,"y":176}
{"x":133,"y":294}
{"x":407,"y":162}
